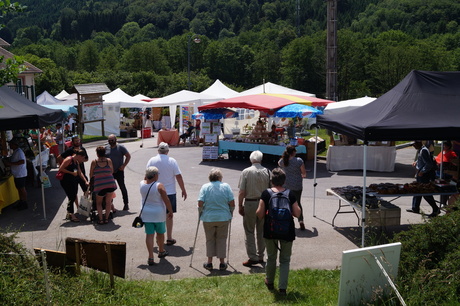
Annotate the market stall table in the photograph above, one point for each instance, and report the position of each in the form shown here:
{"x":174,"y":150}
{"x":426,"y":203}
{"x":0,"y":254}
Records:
{"x":8,"y":192}
{"x":171,"y":137}
{"x":387,"y":214}
{"x":227,"y":146}
{"x":379,"y":158}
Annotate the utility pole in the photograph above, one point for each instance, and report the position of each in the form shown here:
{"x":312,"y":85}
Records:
{"x":298,"y":18}
{"x":331,"y":59}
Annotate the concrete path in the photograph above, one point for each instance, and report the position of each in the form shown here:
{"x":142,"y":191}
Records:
{"x":318,"y":247}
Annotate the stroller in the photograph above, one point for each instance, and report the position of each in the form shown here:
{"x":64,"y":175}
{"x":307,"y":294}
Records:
{"x":93,"y":216}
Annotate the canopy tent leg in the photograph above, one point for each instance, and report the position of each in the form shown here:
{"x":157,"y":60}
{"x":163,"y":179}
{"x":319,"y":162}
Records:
{"x":363,"y":204}
{"x":40,"y":175}
{"x":314,"y":171}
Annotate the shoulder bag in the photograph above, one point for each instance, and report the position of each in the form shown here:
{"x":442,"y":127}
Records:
{"x":138,"y":223}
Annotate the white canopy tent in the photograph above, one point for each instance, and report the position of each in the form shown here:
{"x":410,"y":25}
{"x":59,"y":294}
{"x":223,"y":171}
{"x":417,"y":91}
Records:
{"x":219,"y":89}
{"x":346,"y":105}
{"x":183,"y":98}
{"x":113,"y":101}
{"x":45,"y":98}
{"x":69,"y":100}
{"x":142,"y":98}
{"x":274,"y":89}
{"x":61,"y":95}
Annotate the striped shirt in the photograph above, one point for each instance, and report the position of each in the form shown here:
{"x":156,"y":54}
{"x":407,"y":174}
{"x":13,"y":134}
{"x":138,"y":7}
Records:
{"x":103,"y":177}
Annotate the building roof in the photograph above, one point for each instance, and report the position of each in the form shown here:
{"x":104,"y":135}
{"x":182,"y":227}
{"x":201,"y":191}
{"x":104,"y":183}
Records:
{"x":3,"y":43}
{"x":30,"y":69}
{"x":87,"y":89}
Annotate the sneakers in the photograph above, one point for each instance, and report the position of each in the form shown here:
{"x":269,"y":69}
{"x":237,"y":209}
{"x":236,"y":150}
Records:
{"x":250,"y":263}
{"x":282,"y":292}
{"x":207,"y":266}
{"x":415,"y":211}
{"x":126,"y":207}
{"x":150,"y":262}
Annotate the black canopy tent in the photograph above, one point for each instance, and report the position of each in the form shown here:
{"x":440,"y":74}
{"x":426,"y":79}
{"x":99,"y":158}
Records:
{"x":18,"y":112}
{"x":424,"y":105}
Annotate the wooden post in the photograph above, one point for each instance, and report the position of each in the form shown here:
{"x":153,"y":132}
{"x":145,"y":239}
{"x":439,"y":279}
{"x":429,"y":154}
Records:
{"x":77,"y":257}
{"x":110,"y":266}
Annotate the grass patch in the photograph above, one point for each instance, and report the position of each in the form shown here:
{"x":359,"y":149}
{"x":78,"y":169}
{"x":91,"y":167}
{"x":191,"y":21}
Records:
{"x":22,"y":283}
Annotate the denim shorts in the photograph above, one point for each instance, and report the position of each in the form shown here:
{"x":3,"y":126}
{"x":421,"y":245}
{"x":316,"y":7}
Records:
{"x":172,"y":199}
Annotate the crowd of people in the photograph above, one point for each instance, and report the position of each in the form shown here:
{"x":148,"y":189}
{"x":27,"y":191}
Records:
{"x":215,"y":202}
{"x":258,"y":187}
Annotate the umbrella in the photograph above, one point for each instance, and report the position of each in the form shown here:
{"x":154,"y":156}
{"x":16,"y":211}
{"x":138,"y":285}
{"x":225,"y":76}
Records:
{"x":215,"y":113}
{"x":266,"y":102}
{"x":297,"y":110}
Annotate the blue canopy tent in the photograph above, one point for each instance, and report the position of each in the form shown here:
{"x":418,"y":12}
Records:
{"x":297,"y":111}
{"x":215,"y":113}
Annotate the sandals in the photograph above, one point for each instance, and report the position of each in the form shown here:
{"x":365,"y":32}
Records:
{"x":170,"y":241}
{"x":150,"y":262}
{"x":163,"y":254}
{"x":72,"y":217}
{"x":100,"y":222}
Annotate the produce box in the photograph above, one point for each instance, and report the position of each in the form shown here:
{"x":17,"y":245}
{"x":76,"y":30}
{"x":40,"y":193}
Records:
{"x":386,"y":215}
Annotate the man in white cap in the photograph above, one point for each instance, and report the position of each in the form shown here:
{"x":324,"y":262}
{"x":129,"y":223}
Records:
{"x":169,"y":172}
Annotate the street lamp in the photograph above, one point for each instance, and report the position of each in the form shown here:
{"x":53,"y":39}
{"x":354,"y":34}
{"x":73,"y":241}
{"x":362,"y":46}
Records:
{"x":196,"y":40}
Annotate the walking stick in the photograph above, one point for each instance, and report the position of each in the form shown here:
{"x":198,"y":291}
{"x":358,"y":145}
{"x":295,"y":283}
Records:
{"x":194,"y":243}
{"x":228,"y":246}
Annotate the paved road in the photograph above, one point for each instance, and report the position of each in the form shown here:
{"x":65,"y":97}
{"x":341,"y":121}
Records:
{"x":318,"y":247}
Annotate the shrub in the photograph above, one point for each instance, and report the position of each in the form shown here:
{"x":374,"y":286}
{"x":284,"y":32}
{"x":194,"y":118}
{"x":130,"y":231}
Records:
{"x":429,"y":269}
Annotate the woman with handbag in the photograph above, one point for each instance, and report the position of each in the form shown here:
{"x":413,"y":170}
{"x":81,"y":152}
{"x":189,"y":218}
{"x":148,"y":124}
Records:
{"x":71,"y":170}
{"x":101,"y":173}
{"x":153,"y":212}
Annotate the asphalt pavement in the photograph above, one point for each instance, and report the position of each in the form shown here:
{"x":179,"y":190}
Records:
{"x":320,"y":246}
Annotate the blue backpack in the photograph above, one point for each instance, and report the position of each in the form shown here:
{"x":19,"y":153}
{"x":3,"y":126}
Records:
{"x":279,"y":223}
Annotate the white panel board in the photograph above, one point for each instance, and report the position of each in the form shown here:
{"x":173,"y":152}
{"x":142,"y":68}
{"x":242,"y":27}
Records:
{"x":361,"y":277}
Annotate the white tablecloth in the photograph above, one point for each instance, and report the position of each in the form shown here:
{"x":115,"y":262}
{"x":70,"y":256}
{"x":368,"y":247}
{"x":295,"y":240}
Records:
{"x":379,"y":158}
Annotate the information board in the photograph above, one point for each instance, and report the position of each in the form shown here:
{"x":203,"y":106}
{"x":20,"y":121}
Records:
{"x":92,"y":111}
{"x":210,"y":152}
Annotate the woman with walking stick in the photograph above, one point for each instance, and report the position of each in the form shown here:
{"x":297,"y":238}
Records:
{"x":215,"y":206}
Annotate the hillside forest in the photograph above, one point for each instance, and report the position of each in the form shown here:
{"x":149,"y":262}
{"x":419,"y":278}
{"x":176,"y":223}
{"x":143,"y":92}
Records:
{"x":144,"y":46}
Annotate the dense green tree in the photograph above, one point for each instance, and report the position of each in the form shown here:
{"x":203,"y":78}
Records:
{"x":146,"y":56}
{"x":230,"y":62}
{"x":88,"y":56}
{"x":297,"y":63}
{"x":126,"y":34}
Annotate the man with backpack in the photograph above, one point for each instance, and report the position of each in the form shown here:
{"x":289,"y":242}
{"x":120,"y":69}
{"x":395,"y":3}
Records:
{"x":253,"y":181}
{"x":277,"y":207}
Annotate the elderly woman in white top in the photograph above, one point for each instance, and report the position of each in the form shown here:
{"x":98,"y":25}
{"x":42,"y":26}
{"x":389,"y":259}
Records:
{"x":216,"y":205}
{"x":154,"y":203}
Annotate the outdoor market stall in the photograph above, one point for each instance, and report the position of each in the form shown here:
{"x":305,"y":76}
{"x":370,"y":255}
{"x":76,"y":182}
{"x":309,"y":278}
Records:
{"x":17,"y":112}
{"x":379,"y":209}
{"x":424,"y":105}
{"x":258,"y":137}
